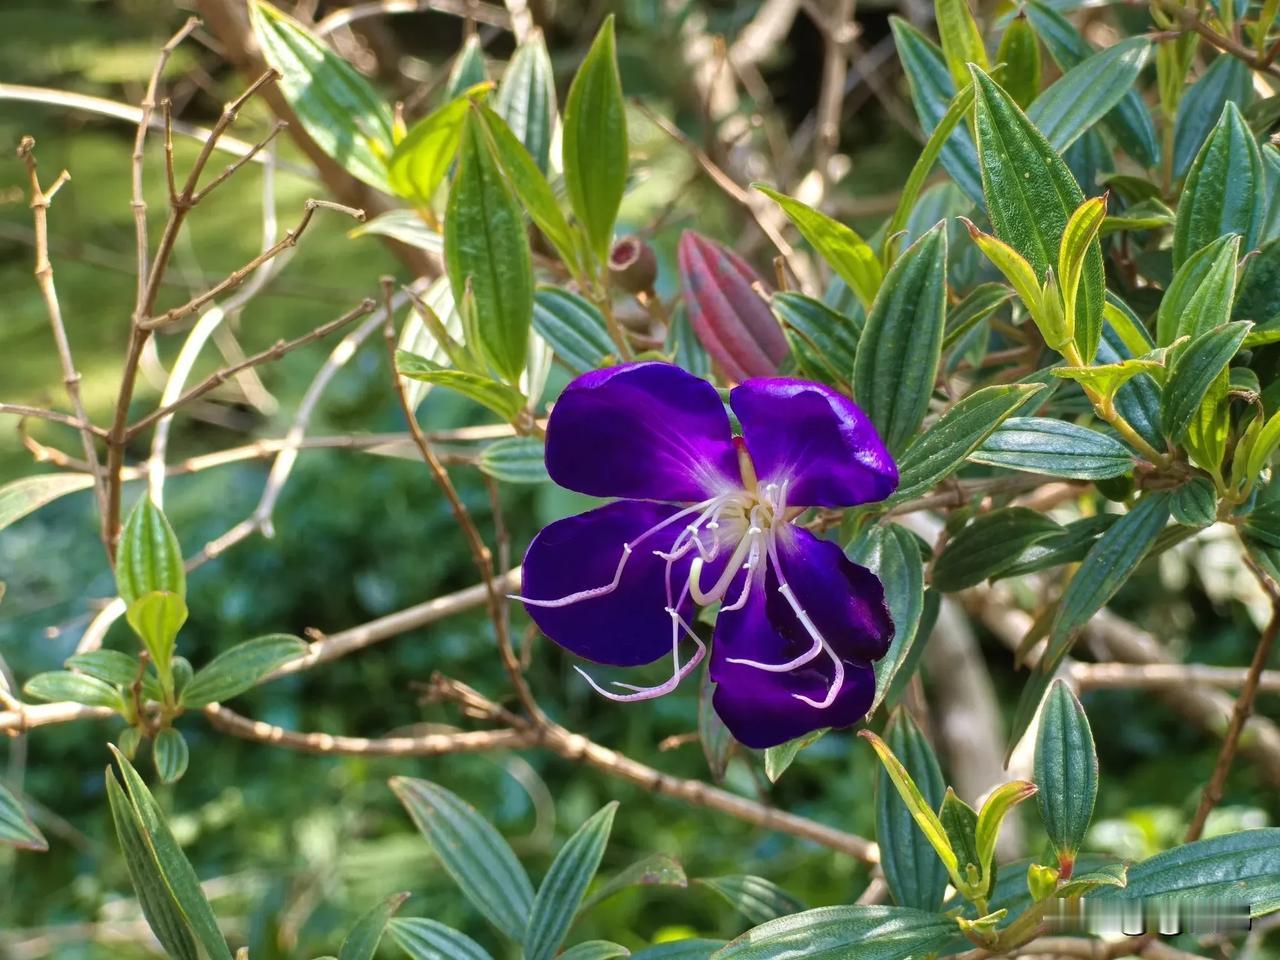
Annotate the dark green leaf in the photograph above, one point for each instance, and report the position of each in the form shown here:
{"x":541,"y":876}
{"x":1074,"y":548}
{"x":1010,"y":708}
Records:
{"x":982,"y":301}
{"x":16,"y":828}
{"x":362,"y":942}
{"x":1055,"y":448}
{"x":429,"y":940}
{"x":486,"y":250}
{"x":990,"y":544}
{"x":565,"y":884}
{"x":179,"y":877}
{"x":832,"y":337}
{"x":691,"y":949}
{"x":595,"y":950}
{"x":150,"y":559}
{"x":170,"y":754}
{"x":241,"y":668}
{"x":778,"y":759}
{"x":1226,"y":80}
{"x":961,"y":430}
{"x":1031,"y":195}
{"x":1256,"y":300}
{"x":892,"y":553}
{"x":1130,"y":121}
{"x":658,"y":870}
{"x":1199,"y":297}
{"x":1198,"y":365}
{"x":60,"y":685}
{"x":1223,"y":192}
{"x":574,"y":327}
{"x":1240,"y":866}
{"x":932,"y":90}
{"x":110,"y":666}
{"x":595,"y":143}
{"x":961,"y":824}
{"x":467,"y":70}
{"x":514,"y":460}
{"x":1066,"y":771}
{"x":1069,"y":547}
{"x":472,"y":852}
{"x":837,"y":933}
{"x":526,"y":98}
{"x":21,"y":497}
{"x":336,"y":106}
{"x":1195,"y":503}
{"x":757,"y":899}
{"x":1088,"y":91}
{"x":915,"y":875}
{"x":163,"y":916}
{"x":718,"y":744}
{"x":898,"y":353}
{"x":1019,"y":51}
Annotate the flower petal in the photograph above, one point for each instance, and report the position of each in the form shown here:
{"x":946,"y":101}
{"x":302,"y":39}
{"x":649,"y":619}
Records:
{"x":628,"y":625}
{"x":844,"y":600}
{"x":650,"y":431}
{"x":814,"y":438}
{"x":760,"y":708}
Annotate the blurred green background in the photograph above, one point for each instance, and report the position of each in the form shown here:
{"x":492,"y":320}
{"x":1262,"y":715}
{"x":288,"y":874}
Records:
{"x":296,"y":846}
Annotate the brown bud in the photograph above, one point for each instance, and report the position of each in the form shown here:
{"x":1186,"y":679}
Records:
{"x":632,"y":265}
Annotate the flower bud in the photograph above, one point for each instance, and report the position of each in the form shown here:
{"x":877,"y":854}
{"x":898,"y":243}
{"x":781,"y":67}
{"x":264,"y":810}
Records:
{"x":632,"y":265}
{"x":1041,"y":881}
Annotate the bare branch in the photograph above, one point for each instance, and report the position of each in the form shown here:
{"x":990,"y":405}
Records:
{"x":1167,"y":676}
{"x":53,"y":416}
{"x":485,"y":13}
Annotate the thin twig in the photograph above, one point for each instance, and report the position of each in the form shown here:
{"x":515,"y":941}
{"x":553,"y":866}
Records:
{"x":239,"y":162}
{"x":53,"y":416}
{"x":1239,"y":714}
{"x":1167,"y":676}
{"x":40,"y":200}
{"x":272,"y":353}
{"x":485,"y":13}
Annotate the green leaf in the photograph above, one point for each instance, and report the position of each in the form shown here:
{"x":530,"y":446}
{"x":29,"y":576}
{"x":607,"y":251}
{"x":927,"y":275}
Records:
{"x":1020,"y":53}
{"x":574,"y":327}
{"x":1108,"y":875}
{"x":403,"y":225}
{"x":514,"y":460}
{"x":501,"y":399}
{"x":845,"y":252}
{"x":990,"y":818}
{"x":1071,"y":546}
{"x":159,"y":908}
{"x":898,"y":352}
{"x":150,"y":559}
{"x":362,"y":942}
{"x":420,"y":161}
{"x":173,"y":865}
{"x":1088,"y":92}
{"x":170,"y":754}
{"x":595,"y":143}
{"x":429,"y":940}
{"x":1194,"y":371}
{"x":718,"y":744}
{"x":1022,"y":277}
{"x":918,"y":806}
{"x":241,"y":668}
{"x":945,"y":446}
{"x":1223,"y":190}
{"x":21,"y":497}
{"x":1195,"y":503}
{"x":109,"y":666}
{"x":1256,"y":300}
{"x":915,"y":875}
{"x":486,"y":251}
{"x":982,"y":301}
{"x":1066,"y":771}
{"x":778,"y":759}
{"x":657,"y":870}
{"x":757,"y":899}
{"x":565,"y":884}
{"x":1078,"y":239}
{"x":59,"y":685}
{"x":530,"y":186}
{"x":472,"y":852}
{"x":338,"y":109}
{"x":16,"y":827}
{"x":1106,"y":567}
{"x":595,"y":950}
{"x":1031,"y":195}
{"x":961,"y":39}
{"x":892,"y":553}
{"x":832,"y":338}
{"x":526,"y":98}
{"x":1199,"y":297}
{"x":1240,"y":866}
{"x":1226,"y":80}
{"x":467,"y":71}
{"x":1130,"y":121}
{"x":932,"y":92}
{"x":1055,"y":448}
{"x":156,"y":618}
{"x":690,"y":949}
{"x":960,"y":822}
{"x":838,"y":933}
{"x":990,"y":544}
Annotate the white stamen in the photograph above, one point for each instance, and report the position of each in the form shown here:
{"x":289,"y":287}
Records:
{"x":679,"y":673}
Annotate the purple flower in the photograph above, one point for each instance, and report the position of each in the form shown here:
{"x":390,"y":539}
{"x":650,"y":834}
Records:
{"x":706,"y":517}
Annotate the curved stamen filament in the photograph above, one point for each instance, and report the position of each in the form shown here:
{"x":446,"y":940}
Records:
{"x":753,"y":561}
{"x":679,"y":672}
{"x":717,"y":591}
{"x":627,"y":550}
